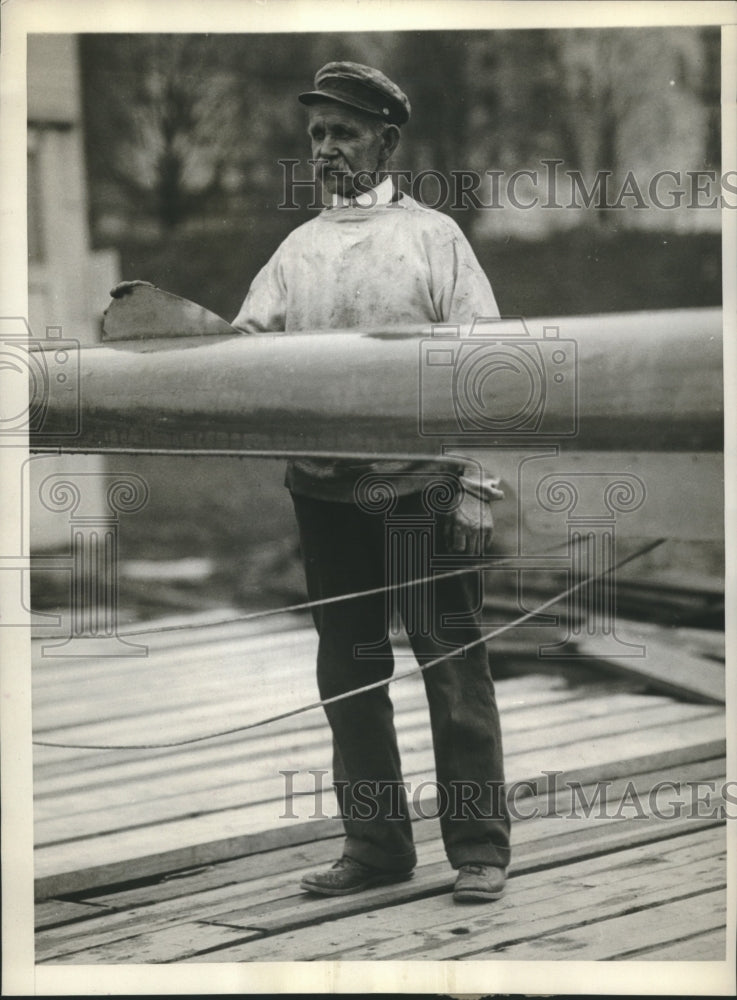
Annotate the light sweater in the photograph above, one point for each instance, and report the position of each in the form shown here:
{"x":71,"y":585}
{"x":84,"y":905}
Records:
{"x":392,"y":263}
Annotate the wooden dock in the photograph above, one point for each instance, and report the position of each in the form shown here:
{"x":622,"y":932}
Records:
{"x":194,"y":853}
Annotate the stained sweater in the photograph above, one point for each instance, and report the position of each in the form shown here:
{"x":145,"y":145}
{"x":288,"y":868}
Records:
{"x":391,"y":264}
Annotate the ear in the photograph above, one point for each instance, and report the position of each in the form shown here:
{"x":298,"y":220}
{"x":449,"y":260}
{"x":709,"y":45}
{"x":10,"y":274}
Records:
{"x":389,"y":141}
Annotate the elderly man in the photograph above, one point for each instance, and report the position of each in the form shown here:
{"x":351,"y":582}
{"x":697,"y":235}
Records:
{"x":376,"y":257}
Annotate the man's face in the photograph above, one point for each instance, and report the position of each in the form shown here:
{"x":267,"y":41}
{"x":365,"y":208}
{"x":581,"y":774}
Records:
{"x":347,"y":145}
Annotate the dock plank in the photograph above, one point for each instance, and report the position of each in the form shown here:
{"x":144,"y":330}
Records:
{"x":166,"y":944}
{"x":707,"y":946}
{"x":184,"y":854}
{"x":186,"y":850}
{"x":534,"y":904}
{"x":551,"y":707}
{"x":434,"y":878}
{"x":426,"y":835}
{"x":701,"y":642}
{"x":668,"y":668}
{"x":245,"y":777}
{"x":59,"y":912}
{"x":232,"y":822}
{"x":414,"y":737}
{"x":594,"y":899}
{"x":612,"y":940}
{"x":269,"y":899}
{"x":518,"y":694}
{"x":397,"y":930}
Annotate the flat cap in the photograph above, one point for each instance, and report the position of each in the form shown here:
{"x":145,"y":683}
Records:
{"x":360,"y":87}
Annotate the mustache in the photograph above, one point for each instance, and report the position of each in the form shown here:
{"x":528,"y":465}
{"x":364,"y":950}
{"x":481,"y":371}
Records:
{"x":364,"y":179}
{"x":337,"y":165}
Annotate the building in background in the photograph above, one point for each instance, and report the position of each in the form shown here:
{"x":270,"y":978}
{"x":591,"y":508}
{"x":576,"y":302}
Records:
{"x":68,"y":282}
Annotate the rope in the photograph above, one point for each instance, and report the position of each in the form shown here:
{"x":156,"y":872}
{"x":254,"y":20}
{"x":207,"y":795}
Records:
{"x":368,"y":456}
{"x":367,"y":687}
{"x":338,"y":598}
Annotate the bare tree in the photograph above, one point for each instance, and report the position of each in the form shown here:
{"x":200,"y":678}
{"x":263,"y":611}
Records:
{"x":171,"y":121}
{"x":193,"y":126}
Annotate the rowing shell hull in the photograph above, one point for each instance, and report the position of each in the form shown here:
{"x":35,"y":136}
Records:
{"x":625,"y":382}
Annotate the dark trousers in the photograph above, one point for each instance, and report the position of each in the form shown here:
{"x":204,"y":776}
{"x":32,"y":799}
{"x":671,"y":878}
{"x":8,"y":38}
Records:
{"x":344,"y":549}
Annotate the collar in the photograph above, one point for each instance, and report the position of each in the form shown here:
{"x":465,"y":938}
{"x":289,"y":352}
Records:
{"x":382,"y":194}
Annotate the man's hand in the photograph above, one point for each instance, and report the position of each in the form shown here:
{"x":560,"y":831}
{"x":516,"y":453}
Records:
{"x":470,"y":527}
{"x":124,"y":287}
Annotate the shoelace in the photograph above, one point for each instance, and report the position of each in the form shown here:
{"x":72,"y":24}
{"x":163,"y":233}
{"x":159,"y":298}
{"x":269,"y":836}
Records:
{"x":342,"y":863}
{"x":474,"y":869}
